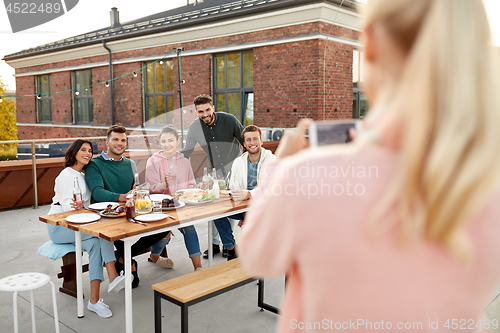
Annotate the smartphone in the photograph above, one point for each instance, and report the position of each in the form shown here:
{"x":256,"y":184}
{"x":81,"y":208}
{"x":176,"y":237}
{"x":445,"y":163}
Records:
{"x":322,"y":133}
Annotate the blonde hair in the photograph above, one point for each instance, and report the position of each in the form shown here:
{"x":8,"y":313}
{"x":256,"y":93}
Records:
{"x":448,"y":108}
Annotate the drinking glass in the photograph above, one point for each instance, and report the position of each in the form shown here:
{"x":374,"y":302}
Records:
{"x":157,"y":207}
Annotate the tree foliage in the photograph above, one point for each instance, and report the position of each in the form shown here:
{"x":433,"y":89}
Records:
{"x":8,"y":128}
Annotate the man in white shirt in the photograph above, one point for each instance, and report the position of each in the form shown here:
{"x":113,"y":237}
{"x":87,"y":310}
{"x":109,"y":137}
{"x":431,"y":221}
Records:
{"x":245,"y":174}
{"x":247,"y":169}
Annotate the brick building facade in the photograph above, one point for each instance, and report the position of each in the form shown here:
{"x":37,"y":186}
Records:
{"x":296,"y":54}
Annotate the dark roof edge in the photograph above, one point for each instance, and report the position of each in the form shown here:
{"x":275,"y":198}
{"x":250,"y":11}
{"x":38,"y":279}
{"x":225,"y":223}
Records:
{"x":278,"y":5}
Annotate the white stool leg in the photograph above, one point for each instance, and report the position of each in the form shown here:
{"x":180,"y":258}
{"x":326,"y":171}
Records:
{"x":33,"y":324}
{"x":14,"y":301}
{"x":54,"y":303}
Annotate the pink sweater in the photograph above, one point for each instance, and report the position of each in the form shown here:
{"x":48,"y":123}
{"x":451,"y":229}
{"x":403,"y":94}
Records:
{"x":157,"y":167}
{"x":339,"y":278}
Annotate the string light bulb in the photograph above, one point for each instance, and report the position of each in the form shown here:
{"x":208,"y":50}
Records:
{"x":106,"y":84}
{"x":161,"y":62}
{"x":135,"y":74}
{"x":39,"y":96}
{"x":77,"y":93}
{"x":184,"y":111}
{"x":1,"y":100}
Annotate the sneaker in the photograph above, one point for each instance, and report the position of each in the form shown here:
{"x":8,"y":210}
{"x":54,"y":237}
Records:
{"x":216,"y":249}
{"x":231,"y":254}
{"x":117,"y":284}
{"x":224,"y":253}
{"x":100,"y":308}
{"x":164,"y":262}
{"x":198,"y":269}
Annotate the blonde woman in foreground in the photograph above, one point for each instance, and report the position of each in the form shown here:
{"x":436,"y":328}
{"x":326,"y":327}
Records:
{"x":400,"y":229}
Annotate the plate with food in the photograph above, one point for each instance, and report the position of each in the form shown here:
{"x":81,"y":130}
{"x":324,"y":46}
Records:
{"x":101,"y":205}
{"x":196,"y":197}
{"x":171,"y":204}
{"x":83,"y":218}
{"x":159,"y":197}
{"x":116,"y":210}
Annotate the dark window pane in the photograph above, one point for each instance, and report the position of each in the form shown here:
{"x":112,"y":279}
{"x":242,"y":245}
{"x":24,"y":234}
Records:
{"x":149,"y":79}
{"x":363,"y":103}
{"x":234,"y":105}
{"x":44,"y":84}
{"x":248,"y":69}
{"x":45,"y":110}
{"x":91,"y":109}
{"x":150,"y":105}
{"x":170,"y":76}
{"x":220,"y":80}
{"x":220,"y":103}
{"x":160,"y":77}
{"x":355,"y":105}
{"x":248,"y":109}
{"x":160,"y":110}
{"x":233,"y":70}
{"x":170,"y":108}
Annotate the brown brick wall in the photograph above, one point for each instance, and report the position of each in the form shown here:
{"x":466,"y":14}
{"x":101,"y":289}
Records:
{"x":290,"y":76}
{"x":25,"y":106}
{"x":62,"y":102}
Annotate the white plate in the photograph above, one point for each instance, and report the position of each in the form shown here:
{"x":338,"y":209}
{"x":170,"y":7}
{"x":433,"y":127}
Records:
{"x":197,"y":203}
{"x":83,"y":218}
{"x":101,"y":205}
{"x":181,"y":204}
{"x":150,"y":217}
{"x":159,"y":197}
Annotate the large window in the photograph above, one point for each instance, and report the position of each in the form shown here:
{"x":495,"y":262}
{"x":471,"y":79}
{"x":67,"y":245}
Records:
{"x":233,"y":83}
{"x":359,"y":102}
{"x":44,"y":99}
{"x":83,"y":104}
{"x":159,"y":93}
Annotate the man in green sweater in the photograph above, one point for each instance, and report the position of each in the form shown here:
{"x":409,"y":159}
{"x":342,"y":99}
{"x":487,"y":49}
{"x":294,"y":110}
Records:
{"x":110,"y":177}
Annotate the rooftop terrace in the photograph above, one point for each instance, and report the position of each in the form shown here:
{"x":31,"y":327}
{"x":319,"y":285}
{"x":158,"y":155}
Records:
{"x":23,"y":234}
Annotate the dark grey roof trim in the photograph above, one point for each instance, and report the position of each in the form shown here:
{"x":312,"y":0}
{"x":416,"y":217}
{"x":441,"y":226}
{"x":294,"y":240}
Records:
{"x":208,"y":11}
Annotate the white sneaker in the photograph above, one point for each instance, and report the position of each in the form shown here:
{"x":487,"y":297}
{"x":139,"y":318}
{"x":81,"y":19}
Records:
{"x":117,"y":284}
{"x":100,"y":308}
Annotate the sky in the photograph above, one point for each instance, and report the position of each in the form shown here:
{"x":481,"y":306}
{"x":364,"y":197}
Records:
{"x":89,"y":15}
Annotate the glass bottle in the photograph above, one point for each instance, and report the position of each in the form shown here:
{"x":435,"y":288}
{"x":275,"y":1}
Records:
{"x":77,"y":194}
{"x":215,"y":187}
{"x":130,"y":207}
{"x":136,"y":180}
{"x":205,"y":179}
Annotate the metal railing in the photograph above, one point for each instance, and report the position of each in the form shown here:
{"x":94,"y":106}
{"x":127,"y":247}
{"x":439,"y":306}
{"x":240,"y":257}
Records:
{"x":33,"y":153}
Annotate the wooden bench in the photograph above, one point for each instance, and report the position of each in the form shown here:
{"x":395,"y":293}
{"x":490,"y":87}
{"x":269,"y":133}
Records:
{"x":198,"y":286}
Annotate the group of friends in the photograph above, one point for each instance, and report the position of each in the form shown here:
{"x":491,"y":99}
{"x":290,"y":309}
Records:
{"x":109,"y":177}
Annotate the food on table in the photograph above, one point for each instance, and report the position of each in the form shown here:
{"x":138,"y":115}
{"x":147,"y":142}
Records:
{"x":170,"y":203}
{"x":143,"y":206}
{"x":113,"y":210}
{"x":195,"y":196}
{"x":224,"y":192}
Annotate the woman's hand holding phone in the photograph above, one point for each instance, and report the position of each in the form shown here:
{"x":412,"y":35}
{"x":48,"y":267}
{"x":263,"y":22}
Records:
{"x":294,"y":142}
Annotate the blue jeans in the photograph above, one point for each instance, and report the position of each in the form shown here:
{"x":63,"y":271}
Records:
{"x":190,"y":240}
{"x":100,"y":250}
{"x":225,"y":231}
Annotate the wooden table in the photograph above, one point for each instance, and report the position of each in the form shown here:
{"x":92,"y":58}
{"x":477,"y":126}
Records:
{"x":119,"y":228}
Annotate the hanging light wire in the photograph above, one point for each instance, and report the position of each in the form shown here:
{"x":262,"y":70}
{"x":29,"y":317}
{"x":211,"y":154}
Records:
{"x":76,"y":91}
